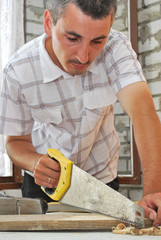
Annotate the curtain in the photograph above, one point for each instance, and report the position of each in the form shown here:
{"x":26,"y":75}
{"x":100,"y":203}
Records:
{"x":11,"y":38}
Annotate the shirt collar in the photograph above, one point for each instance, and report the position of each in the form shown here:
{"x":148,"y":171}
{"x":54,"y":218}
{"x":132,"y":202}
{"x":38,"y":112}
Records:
{"x":94,"y":67}
{"x":51,"y":71}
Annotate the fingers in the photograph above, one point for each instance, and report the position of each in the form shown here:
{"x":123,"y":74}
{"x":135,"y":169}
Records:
{"x":47,"y":172}
{"x":157,"y":222}
{"x":149,"y":211}
{"x":47,"y":180}
{"x":152,"y":205}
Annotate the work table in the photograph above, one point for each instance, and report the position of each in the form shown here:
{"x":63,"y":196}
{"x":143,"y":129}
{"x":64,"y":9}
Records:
{"x":68,"y":235}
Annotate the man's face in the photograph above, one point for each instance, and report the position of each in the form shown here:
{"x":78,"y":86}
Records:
{"x":77,"y":39}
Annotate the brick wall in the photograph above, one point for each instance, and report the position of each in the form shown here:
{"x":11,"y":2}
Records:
{"x":149,"y":54}
{"x":149,"y":42}
{"x":34,"y":18}
{"x":149,"y":30}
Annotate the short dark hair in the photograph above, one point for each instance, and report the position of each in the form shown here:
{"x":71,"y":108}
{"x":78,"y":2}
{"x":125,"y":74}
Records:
{"x":97,"y":9}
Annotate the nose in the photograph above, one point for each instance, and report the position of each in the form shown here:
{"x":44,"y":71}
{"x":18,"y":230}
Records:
{"x":83,"y":54}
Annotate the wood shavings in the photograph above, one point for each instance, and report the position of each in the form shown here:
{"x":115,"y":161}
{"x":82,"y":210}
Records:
{"x":122,"y":229}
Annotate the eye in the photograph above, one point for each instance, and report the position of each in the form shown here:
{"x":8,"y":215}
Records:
{"x":97,"y":41}
{"x":72,"y":39}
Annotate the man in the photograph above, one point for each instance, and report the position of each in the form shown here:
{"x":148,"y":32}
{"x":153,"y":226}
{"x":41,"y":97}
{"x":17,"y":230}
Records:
{"x":58,"y":91}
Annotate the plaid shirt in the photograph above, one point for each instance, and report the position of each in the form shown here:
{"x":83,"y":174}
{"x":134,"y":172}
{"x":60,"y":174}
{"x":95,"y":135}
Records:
{"x":73,"y":114}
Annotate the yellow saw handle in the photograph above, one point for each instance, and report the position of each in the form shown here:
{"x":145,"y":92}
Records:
{"x":65,"y":175}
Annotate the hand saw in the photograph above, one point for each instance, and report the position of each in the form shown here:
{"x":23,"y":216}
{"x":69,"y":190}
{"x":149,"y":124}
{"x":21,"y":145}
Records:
{"x":79,"y":189}
{"x":17,"y":205}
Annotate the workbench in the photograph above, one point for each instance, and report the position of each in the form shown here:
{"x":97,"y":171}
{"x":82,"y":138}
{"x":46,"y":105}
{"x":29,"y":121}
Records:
{"x":68,"y":235}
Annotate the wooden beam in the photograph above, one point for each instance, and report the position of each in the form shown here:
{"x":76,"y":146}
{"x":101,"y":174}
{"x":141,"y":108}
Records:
{"x":59,"y":221}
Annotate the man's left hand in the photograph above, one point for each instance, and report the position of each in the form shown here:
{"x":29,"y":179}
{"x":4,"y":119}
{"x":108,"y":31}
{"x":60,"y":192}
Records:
{"x":152,"y":205}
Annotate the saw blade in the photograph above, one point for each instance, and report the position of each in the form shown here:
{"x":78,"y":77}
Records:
{"x":88,"y":193}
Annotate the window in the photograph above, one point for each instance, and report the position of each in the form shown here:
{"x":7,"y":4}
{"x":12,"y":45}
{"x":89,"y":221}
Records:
{"x":129,"y":170}
{"x":11,"y":38}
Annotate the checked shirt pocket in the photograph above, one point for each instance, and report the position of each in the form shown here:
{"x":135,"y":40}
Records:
{"x":96,"y":104}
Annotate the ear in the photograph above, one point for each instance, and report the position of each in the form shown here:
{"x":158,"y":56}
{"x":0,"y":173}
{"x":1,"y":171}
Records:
{"x":48,"y":22}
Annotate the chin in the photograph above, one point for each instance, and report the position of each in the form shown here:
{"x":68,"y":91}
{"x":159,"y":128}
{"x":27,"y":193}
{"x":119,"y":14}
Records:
{"x":77,"y":72}
{"x":74,"y":71}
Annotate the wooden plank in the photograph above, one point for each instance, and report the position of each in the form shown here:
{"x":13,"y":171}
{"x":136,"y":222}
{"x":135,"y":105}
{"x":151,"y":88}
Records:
{"x":59,"y":221}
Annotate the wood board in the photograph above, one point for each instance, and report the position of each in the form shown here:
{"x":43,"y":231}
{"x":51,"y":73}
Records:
{"x":59,"y":221}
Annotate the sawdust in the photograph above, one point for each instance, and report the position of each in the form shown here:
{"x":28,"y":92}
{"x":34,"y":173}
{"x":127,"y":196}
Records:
{"x":122,"y":229}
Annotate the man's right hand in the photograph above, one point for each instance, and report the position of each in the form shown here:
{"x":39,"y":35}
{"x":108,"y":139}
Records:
{"x":22,"y":153}
{"x":47,"y":172}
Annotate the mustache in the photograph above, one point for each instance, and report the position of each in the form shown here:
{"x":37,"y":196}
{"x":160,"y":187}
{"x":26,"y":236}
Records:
{"x":78,"y":62}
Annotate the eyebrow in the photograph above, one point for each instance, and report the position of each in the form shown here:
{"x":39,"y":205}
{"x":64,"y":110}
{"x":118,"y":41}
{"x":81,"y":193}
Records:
{"x":74,"y":34}
{"x":79,"y":36}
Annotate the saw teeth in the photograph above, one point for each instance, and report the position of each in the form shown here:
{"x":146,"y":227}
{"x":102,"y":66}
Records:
{"x":139,"y":225}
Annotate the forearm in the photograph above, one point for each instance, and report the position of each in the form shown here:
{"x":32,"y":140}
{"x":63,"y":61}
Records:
{"x":147,"y":131}
{"x":22,"y":152}
{"x":137,"y":101}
